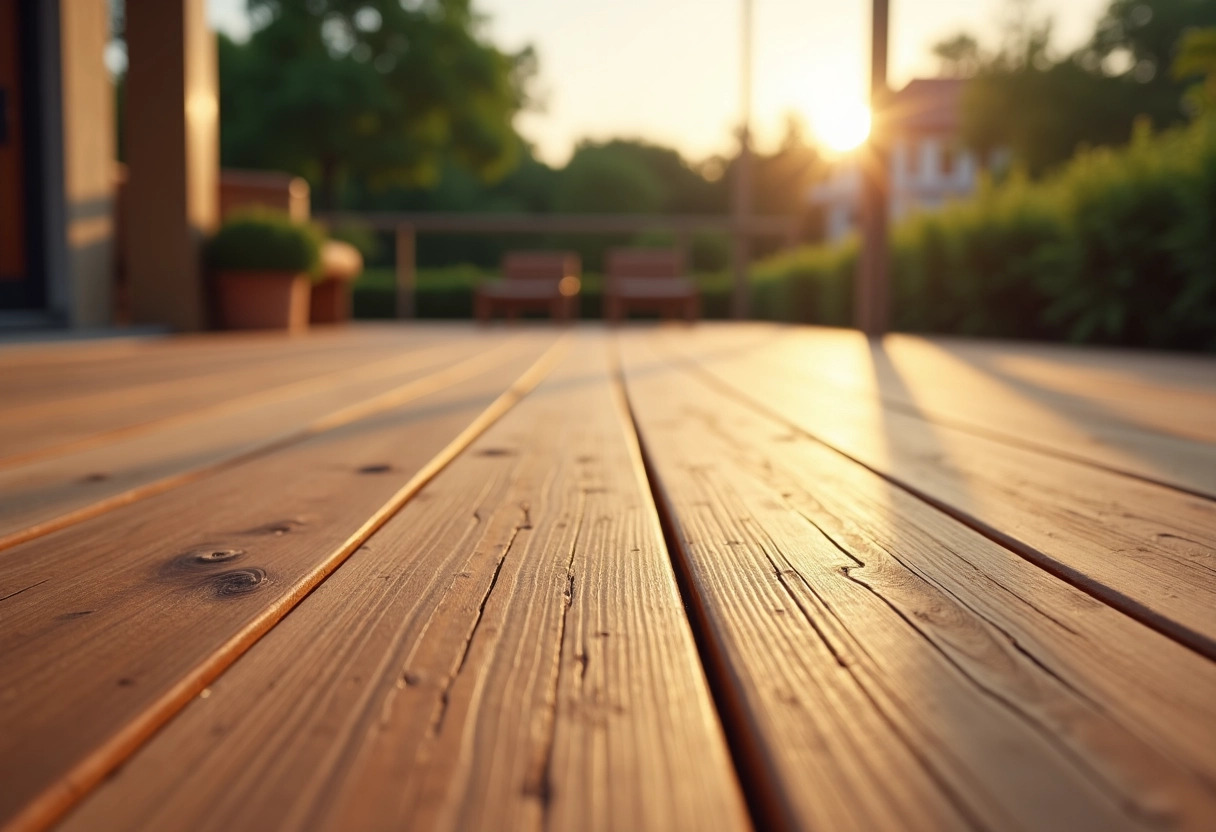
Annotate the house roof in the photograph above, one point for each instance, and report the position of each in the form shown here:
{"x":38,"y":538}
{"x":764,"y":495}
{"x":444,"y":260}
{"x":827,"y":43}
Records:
{"x":928,"y":104}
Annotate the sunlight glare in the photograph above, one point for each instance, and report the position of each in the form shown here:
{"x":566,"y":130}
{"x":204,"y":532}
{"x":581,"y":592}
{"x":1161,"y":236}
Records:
{"x":842,"y":125}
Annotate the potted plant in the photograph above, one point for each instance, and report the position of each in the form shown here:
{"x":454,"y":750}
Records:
{"x":341,"y":264}
{"x":263,"y":263}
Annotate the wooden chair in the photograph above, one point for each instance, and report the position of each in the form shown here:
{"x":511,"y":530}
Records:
{"x":545,"y":280}
{"x":650,"y":279}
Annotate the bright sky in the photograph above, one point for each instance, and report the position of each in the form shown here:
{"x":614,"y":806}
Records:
{"x":668,"y":70}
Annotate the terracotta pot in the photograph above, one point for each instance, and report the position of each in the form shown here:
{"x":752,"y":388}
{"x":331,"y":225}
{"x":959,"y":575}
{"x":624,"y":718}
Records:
{"x":330,"y":302}
{"x":264,"y":300}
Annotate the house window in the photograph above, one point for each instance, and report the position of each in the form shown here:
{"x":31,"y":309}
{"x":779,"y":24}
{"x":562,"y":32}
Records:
{"x":949,"y":162}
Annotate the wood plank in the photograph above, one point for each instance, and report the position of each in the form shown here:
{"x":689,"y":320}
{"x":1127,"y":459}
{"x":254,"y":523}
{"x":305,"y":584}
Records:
{"x":109,"y":626}
{"x":918,"y":672}
{"x":508,"y":652}
{"x":1117,"y":372}
{"x":1157,"y":434}
{"x":71,"y":421}
{"x":956,"y":383}
{"x":1148,"y":550}
{"x":48,"y":494}
{"x":59,"y":370}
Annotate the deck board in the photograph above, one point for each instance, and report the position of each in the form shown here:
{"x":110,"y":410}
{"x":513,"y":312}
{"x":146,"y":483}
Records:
{"x":47,"y":494}
{"x":523,"y":603}
{"x":844,"y":554}
{"x":1129,"y":419}
{"x":86,"y":417}
{"x":909,"y":583}
{"x":63,"y":371}
{"x":1067,"y":516}
{"x":281,"y":522}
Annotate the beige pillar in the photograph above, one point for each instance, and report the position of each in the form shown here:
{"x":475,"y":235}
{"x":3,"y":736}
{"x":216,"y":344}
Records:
{"x":88,"y":162}
{"x":172,"y":152}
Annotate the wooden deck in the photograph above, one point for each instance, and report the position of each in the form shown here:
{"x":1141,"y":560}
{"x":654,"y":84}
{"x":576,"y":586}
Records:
{"x":711,"y":578}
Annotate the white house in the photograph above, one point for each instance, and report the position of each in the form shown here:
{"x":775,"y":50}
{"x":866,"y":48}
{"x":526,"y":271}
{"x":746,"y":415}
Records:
{"x":929,"y":165}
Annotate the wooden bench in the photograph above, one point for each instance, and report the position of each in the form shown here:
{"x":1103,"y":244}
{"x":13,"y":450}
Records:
{"x":533,"y":280}
{"x":649,"y":279}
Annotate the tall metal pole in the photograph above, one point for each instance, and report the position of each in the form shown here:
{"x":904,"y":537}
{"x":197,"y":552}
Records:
{"x":872,"y":309}
{"x":742,"y":197}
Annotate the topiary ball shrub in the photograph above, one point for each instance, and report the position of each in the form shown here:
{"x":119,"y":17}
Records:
{"x":265,"y":241}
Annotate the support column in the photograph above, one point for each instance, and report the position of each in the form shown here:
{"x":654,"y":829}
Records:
{"x":172,"y":150}
{"x":88,"y":161}
{"x":742,"y":203}
{"x":872,"y":301}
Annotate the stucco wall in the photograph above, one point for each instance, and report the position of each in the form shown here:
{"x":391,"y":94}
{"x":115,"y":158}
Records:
{"x":88,"y":161}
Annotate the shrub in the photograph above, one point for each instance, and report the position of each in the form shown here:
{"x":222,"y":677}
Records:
{"x":807,"y":285}
{"x":448,"y":293}
{"x":1141,"y":221}
{"x":263,"y":240}
{"x":1119,"y":247}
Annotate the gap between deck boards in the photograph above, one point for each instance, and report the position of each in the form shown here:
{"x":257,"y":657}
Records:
{"x":54,"y":802}
{"x":758,"y":781}
{"x":1184,"y":635}
{"x":395,"y":396}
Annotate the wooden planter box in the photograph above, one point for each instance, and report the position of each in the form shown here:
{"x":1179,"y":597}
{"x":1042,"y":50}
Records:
{"x":263,"y":300}
{"x":330,"y":302}
{"x":341,"y":263}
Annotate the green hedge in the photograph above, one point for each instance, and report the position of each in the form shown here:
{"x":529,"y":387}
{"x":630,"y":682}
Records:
{"x":448,"y":293}
{"x":1118,"y":248}
{"x":806,"y":285}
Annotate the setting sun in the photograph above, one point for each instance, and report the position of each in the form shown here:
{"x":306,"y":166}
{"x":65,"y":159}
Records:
{"x":842,"y":125}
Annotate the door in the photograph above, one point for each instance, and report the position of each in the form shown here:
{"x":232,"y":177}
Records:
{"x":12,"y":179}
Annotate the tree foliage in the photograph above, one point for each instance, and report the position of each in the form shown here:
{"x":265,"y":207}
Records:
{"x":959,"y":56}
{"x":386,"y":91}
{"x":1045,"y":107}
{"x":1196,"y":59}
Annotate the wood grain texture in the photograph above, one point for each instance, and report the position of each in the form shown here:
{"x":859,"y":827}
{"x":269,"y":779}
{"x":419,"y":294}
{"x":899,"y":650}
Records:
{"x":509,"y":652}
{"x":992,"y":690}
{"x":63,"y":370}
{"x":1149,"y":550}
{"x":50,"y":493}
{"x":101,"y":403}
{"x":109,"y":626}
{"x":1136,"y":423}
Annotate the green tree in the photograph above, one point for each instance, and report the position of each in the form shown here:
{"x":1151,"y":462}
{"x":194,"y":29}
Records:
{"x":609,"y":178}
{"x":959,"y":56}
{"x":633,"y":176}
{"x":1147,"y":32}
{"x":1046,"y":107}
{"x":1044,"y":115}
{"x":1197,"y":58}
{"x":385,"y":91}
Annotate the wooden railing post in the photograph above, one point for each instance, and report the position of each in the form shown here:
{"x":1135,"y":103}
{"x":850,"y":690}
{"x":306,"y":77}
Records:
{"x":741,"y":255}
{"x":872,"y":302}
{"x":405,"y":271}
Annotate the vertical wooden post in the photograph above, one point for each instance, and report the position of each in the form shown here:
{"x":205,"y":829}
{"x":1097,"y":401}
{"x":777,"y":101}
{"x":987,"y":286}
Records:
{"x":742,"y":202}
{"x":405,"y":271}
{"x":872,"y":301}
{"x":684,"y":246}
{"x":172,"y":146}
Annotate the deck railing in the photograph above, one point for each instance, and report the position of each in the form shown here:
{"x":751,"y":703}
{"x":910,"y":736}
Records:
{"x":406,"y":227}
